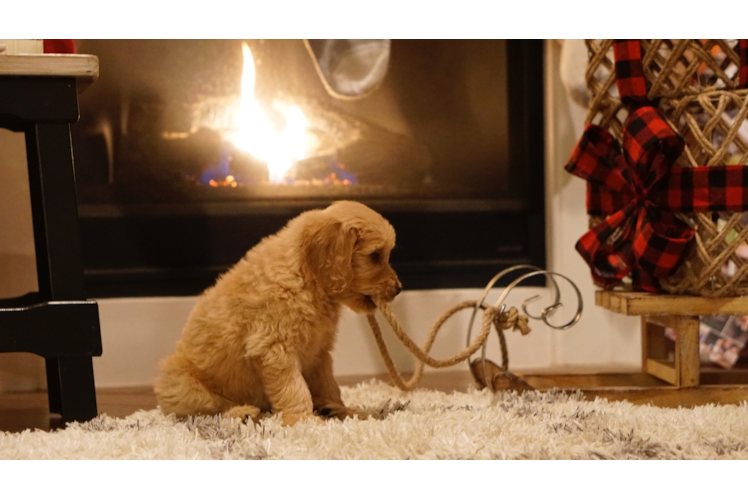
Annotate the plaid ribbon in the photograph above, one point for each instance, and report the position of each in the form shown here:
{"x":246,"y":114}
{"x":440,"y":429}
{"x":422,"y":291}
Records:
{"x":623,"y":185}
{"x":638,"y":189}
{"x":632,"y":85}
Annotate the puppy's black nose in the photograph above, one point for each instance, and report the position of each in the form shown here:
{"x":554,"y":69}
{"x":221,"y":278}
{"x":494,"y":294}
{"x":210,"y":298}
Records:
{"x":398,"y":289}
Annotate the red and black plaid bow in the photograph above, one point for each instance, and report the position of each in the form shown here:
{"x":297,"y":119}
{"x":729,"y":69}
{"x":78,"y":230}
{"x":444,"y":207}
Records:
{"x":639,"y":189}
{"x":623,"y":186}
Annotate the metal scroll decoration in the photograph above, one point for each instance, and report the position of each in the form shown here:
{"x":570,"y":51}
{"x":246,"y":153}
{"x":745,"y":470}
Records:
{"x":545,"y":313}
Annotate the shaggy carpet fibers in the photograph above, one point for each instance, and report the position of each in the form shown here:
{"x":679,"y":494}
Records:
{"x":421,"y":424}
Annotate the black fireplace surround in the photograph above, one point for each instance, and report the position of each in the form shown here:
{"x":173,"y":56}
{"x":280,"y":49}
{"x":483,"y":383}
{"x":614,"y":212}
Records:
{"x":475,"y":207}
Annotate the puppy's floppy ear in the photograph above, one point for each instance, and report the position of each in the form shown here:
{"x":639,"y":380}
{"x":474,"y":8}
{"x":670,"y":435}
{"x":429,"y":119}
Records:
{"x":328,"y":248}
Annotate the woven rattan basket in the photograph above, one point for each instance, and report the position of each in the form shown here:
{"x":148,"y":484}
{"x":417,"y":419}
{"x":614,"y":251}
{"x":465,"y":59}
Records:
{"x":696,"y":85}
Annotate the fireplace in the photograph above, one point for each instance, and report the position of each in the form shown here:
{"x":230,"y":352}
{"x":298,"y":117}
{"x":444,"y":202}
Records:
{"x":188,"y":152}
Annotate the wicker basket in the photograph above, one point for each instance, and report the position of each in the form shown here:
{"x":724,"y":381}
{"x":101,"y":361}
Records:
{"x":697,"y":83}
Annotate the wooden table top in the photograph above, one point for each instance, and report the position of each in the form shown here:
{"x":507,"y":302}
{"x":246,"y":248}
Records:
{"x":640,"y":303}
{"x":83,"y":67}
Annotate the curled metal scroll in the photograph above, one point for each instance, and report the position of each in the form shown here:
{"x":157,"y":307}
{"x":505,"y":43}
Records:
{"x":546,"y":313}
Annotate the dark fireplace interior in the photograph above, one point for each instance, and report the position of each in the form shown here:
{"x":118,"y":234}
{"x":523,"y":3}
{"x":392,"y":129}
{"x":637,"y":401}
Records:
{"x":188,"y":152}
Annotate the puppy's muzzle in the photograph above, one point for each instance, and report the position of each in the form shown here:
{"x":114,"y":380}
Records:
{"x":392,"y":291}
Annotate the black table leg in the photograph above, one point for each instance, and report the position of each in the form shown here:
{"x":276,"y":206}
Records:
{"x":54,"y":208}
{"x":59,"y":261}
{"x":76,"y":388}
{"x":53,"y":386}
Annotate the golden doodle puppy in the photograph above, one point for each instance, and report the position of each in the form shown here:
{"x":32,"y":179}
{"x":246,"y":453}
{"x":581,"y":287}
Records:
{"x":260,"y":338}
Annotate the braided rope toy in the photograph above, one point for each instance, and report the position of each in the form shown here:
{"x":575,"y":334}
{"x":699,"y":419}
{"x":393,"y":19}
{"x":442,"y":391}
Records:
{"x":495,"y":316}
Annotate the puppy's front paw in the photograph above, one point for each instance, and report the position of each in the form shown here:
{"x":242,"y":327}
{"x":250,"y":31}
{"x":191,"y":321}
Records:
{"x":290,"y":419}
{"x":245,"y":413}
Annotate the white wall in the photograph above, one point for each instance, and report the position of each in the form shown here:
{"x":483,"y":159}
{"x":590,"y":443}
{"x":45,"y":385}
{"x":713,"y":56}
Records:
{"x":136,"y":333}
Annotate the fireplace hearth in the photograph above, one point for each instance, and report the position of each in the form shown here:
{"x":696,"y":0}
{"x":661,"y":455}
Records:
{"x":189,"y":152}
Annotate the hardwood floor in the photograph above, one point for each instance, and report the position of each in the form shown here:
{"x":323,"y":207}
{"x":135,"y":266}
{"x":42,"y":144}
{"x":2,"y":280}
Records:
{"x":28,"y":410}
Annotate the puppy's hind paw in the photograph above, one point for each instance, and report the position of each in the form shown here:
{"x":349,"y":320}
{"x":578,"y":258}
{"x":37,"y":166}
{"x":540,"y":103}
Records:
{"x":245,"y":413}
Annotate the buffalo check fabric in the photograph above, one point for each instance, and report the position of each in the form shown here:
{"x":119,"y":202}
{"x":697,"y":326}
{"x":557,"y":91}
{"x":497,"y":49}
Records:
{"x":638,"y":189}
{"x":632,"y":86}
{"x":623,"y":186}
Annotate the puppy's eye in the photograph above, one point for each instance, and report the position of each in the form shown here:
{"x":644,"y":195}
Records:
{"x":375,"y":257}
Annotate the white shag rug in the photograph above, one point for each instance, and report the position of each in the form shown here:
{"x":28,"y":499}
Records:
{"x":421,"y":424}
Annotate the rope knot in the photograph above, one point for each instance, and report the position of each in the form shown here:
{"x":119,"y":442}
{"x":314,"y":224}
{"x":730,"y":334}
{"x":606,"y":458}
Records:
{"x":513,"y":320}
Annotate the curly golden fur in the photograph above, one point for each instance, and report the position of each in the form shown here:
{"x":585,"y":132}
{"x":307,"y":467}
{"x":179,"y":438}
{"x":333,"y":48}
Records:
{"x":260,"y":338}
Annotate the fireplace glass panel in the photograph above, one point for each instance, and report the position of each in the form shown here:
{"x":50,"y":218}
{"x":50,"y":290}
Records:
{"x":185,"y":121}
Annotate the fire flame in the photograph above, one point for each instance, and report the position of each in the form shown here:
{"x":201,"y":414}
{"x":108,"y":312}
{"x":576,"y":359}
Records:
{"x":255,"y":134}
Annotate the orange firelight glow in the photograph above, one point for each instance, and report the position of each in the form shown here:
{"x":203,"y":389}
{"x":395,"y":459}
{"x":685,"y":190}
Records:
{"x":254,"y":133}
